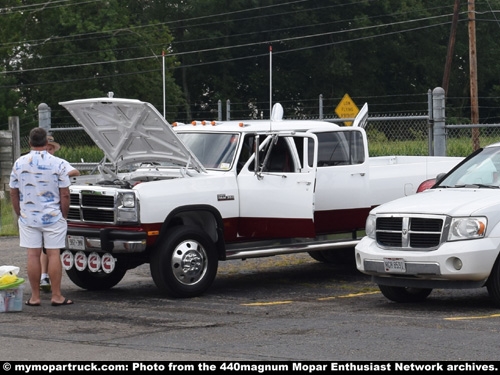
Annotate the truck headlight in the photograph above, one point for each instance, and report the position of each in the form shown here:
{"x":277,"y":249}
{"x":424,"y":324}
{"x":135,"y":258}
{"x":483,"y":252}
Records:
{"x":128,"y":200}
{"x":466,"y":228}
{"x":128,"y":208}
{"x":370,"y":226}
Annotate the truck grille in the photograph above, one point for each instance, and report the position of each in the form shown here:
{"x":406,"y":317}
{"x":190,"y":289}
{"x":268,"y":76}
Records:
{"x":410,"y":232}
{"x":92,"y":207}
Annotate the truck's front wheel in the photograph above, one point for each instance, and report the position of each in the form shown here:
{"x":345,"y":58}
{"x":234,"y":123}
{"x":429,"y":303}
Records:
{"x":402,"y":294}
{"x":96,"y":280}
{"x":186,"y":263}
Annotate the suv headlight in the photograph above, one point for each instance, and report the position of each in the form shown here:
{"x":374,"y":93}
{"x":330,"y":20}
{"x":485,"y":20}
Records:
{"x":467,"y":228}
{"x":370,"y":226}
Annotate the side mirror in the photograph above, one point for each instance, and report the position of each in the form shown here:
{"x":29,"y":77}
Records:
{"x":440,"y":177}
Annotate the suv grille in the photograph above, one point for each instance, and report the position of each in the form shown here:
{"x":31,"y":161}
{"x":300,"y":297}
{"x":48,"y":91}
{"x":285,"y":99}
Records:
{"x":92,"y":208}
{"x":410,"y":232}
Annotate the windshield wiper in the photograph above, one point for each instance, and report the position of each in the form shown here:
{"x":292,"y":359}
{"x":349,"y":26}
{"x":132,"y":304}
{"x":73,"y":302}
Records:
{"x":477,"y":186}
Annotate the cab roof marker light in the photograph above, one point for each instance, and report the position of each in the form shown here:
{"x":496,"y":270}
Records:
{"x":193,"y":123}
{"x":213,"y":123}
{"x":203,"y":122}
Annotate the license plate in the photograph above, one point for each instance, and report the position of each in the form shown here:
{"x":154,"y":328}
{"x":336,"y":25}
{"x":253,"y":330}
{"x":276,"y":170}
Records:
{"x":394,"y":265}
{"x":76,"y":242}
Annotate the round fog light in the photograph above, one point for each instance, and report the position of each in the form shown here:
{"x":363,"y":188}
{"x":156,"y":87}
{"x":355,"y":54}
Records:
{"x":457,"y":264}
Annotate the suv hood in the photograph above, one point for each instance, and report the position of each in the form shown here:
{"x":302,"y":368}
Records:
{"x":450,"y":201}
{"x":131,"y":131}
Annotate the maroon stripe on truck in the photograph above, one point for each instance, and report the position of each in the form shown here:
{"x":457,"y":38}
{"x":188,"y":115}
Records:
{"x":335,"y":221}
{"x":251,"y":228}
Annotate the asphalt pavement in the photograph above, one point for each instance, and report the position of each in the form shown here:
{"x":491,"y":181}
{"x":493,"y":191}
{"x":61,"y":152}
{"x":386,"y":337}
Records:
{"x":283,"y":308}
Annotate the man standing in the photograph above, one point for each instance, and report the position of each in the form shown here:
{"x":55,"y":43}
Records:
{"x":39,"y":191}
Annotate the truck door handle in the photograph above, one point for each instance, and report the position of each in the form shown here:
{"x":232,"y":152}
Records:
{"x":360,"y":173}
{"x":304,"y":182}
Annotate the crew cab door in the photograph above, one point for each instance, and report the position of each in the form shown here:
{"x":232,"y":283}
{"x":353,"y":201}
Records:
{"x":342,"y":180}
{"x":277,"y":199}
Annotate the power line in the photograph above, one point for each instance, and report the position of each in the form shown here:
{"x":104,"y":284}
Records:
{"x":266,"y":42}
{"x":32,"y":8}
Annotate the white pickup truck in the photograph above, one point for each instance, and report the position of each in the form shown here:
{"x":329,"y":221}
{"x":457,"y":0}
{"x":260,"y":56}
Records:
{"x":183,"y":197}
{"x":445,"y":237}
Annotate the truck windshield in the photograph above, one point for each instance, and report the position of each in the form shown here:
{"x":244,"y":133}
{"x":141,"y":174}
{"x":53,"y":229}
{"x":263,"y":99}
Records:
{"x":214,"y":150}
{"x":481,"y":170}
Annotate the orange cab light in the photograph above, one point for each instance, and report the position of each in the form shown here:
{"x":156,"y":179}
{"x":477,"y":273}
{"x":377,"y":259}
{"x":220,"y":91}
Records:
{"x":241,"y":125}
{"x":174,"y":124}
{"x":203,"y":122}
{"x":212,"y":122}
{"x":193,"y":122}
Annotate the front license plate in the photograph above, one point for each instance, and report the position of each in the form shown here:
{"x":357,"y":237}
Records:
{"x":394,"y":265}
{"x":76,"y":242}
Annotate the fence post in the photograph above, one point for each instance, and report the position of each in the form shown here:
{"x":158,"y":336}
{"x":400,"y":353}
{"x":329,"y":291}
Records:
{"x":219,"y":110}
{"x":228,"y":110}
{"x":430,"y":123}
{"x":10,"y":150}
{"x":44,"y":117}
{"x":438,"y":114}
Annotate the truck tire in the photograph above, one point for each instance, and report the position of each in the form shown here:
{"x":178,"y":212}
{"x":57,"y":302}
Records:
{"x":493,"y":283}
{"x":185,"y":264}
{"x":404,"y":295}
{"x":338,"y":256}
{"x":96,"y":280}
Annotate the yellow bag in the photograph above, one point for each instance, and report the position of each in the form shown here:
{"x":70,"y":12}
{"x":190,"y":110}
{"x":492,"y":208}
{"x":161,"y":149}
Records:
{"x":9,"y":278}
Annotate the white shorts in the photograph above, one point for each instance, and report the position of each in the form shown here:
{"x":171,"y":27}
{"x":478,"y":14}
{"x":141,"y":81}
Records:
{"x":50,"y":236}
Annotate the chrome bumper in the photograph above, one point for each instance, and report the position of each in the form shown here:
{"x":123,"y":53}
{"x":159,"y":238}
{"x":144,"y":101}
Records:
{"x":109,"y":240}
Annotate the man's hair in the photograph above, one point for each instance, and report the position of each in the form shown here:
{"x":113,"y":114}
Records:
{"x":38,"y":137}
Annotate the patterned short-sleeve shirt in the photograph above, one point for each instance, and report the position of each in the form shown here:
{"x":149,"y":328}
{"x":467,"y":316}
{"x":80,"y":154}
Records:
{"x":38,"y":175}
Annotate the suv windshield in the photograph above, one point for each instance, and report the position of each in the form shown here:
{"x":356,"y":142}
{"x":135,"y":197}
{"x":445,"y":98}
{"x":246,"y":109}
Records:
{"x":482,"y":170}
{"x":213,"y":150}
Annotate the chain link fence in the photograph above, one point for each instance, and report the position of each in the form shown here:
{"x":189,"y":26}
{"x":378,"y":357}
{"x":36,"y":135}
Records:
{"x":388,"y":134}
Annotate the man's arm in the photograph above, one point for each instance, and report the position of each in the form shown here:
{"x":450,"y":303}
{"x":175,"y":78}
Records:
{"x":14,"y":198}
{"x":64,"y":200}
{"x":74,"y":172}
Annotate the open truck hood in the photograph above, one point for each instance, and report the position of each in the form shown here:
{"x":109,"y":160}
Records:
{"x":131,"y":131}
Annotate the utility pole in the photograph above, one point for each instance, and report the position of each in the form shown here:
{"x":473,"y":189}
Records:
{"x":451,"y":47}
{"x":473,"y":74}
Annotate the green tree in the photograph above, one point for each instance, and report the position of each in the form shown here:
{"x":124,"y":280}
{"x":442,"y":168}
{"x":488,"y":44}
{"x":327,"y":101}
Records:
{"x":388,"y":53}
{"x":382,"y":48}
{"x":79,"y":50}
{"x":9,"y":32}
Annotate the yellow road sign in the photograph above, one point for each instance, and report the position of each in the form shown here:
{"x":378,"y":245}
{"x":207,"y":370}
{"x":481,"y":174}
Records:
{"x":347,"y":109}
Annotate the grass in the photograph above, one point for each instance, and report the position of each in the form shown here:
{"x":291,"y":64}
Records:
{"x":455,"y":146}
{"x":89,"y":154}
{"x":8,"y":224}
